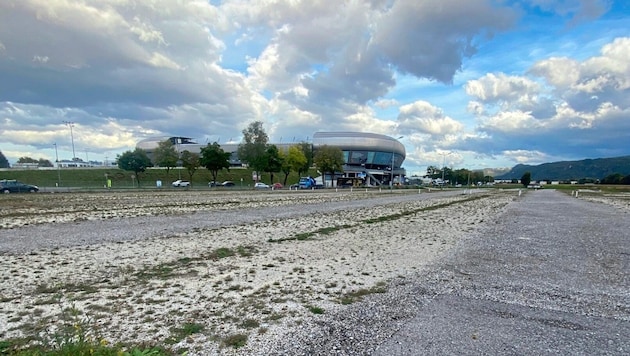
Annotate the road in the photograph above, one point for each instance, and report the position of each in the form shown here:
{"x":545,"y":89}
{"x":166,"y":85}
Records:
{"x":550,"y":277}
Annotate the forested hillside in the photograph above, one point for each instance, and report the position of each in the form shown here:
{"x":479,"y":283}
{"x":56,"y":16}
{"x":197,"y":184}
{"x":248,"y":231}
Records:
{"x":572,"y":170}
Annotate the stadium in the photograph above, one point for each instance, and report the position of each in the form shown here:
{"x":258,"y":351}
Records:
{"x":374,"y":159}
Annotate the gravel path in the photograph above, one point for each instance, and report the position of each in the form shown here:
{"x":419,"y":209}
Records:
{"x":549,"y":276}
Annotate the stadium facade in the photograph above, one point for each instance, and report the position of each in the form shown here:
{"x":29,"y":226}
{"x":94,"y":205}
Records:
{"x":375,"y":158}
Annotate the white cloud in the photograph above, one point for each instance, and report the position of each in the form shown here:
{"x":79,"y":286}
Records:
{"x":562,"y":73}
{"x":517,"y":122}
{"x":526,"y":157}
{"x":501,"y":88}
{"x":422,"y":117}
{"x":386,"y":103}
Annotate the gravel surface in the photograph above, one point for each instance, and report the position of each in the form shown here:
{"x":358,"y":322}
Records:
{"x":548,"y":276}
{"x":544,"y":273}
{"x":89,"y":231}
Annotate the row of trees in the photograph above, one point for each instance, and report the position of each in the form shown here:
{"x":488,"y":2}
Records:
{"x":254,"y":150}
{"x":616,"y":178}
{"x":458,"y":176}
{"x":42,"y":162}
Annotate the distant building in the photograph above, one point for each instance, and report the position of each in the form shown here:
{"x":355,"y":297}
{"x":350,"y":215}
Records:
{"x":376,"y":158}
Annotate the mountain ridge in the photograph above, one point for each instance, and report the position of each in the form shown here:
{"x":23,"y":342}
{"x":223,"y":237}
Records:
{"x":595,"y":168}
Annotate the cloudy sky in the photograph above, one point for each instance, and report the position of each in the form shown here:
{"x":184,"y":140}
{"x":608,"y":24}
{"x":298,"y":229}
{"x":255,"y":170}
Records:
{"x":472,"y":83}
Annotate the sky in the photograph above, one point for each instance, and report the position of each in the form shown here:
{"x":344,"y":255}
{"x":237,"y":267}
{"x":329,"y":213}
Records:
{"x":466,"y":83}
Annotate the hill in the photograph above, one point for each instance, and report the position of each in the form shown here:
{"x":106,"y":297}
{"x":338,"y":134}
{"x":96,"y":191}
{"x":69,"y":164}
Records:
{"x":572,"y":170}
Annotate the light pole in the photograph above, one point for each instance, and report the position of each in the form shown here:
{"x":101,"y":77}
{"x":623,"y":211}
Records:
{"x":443,"y":168}
{"x":57,"y":162}
{"x":70,"y":124}
{"x":391,"y":180}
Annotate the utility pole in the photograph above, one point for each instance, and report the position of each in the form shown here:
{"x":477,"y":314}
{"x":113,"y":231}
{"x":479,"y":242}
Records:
{"x":57,"y":162}
{"x":70,"y":124}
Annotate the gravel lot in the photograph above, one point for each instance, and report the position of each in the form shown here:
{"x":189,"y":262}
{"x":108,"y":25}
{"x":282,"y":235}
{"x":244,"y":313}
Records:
{"x":438,"y":273}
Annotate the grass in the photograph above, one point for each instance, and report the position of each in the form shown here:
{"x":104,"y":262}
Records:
{"x":95,"y":177}
{"x":356,"y":296}
{"x":76,"y":336}
{"x":187,"y":329}
{"x":236,"y":341}
{"x":315,"y":309}
{"x":331,"y":229}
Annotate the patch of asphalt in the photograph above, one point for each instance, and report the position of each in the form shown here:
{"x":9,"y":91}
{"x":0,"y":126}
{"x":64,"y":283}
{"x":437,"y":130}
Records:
{"x":59,"y":235}
{"x":549,"y":276}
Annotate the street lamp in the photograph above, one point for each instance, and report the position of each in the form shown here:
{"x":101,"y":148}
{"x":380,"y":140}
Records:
{"x":70,"y":124}
{"x":391,"y":180}
{"x":57,"y":162}
{"x":443,"y":168}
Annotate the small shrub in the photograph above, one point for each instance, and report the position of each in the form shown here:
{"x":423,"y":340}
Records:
{"x":315,"y":309}
{"x":236,"y":341}
{"x":222,"y":252}
{"x":250,"y":323}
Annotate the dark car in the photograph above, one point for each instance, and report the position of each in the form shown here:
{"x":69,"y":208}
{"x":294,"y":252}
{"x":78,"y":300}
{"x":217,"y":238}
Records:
{"x":228,"y":183}
{"x":13,"y":186}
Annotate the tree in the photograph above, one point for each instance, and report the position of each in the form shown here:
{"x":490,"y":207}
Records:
{"x":329,"y":160}
{"x":293,"y":160}
{"x":433,"y":172}
{"x":27,"y":159}
{"x":273,"y":161}
{"x":44,"y":163}
{"x":307,"y":151}
{"x":214,"y":159}
{"x":191,"y":162}
{"x":4,"y":163}
{"x":165,"y":155}
{"x":253,"y":147}
{"x":526,"y":179}
{"x":136,"y":161}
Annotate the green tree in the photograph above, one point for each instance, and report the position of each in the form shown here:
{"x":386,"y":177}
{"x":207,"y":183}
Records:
{"x":253,"y":147}
{"x":273,"y":161}
{"x":307,"y":151}
{"x":329,"y":160}
{"x":27,"y":159}
{"x":4,"y":163}
{"x":615,"y":178}
{"x":165,"y":155}
{"x":190,"y":161}
{"x":293,"y":160}
{"x":434,"y":172}
{"x":214,"y":159}
{"x":44,"y":163}
{"x":136,"y":161}
{"x":526,"y":179}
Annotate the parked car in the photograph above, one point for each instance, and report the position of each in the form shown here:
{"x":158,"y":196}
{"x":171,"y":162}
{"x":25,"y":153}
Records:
{"x":277,"y":185}
{"x":261,"y":185}
{"x":181,"y":183}
{"x":212,"y":184}
{"x":228,"y":183}
{"x":14,"y":186}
